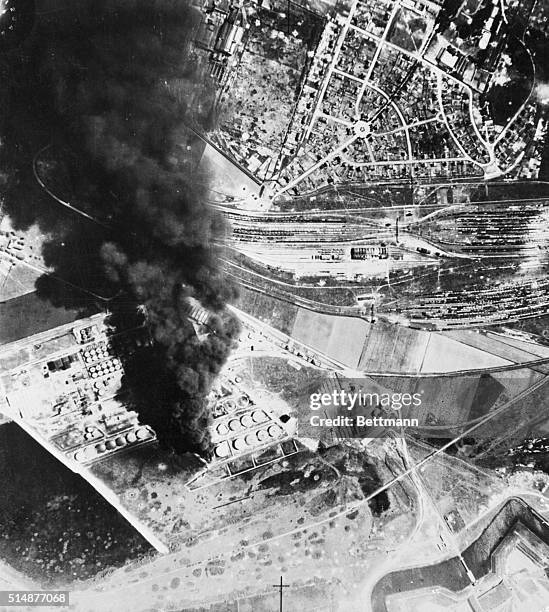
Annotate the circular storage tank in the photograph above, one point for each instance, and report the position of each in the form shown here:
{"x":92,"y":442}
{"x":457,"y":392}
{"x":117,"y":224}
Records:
{"x":90,"y":452}
{"x":85,"y":454}
{"x":274,"y":431}
{"x":246,"y":420}
{"x":110,"y":444}
{"x":222,"y":450}
{"x":239,"y":444}
{"x":143,"y":433}
{"x":235,"y":425}
{"x":258,"y":416}
{"x":243,"y":401}
{"x":131,"y":437}
{"x":222,"y":429}
{"x":262,"y":435}
{"x":229,"y":405}
{"x":251,"y":439}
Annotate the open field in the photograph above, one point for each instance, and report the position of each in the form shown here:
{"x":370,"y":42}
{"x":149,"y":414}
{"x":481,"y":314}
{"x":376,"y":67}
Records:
{"x":277,"y":313}
{"x":342,"y":338}
{"x":393,"y":348}
{"x":27,"y":315}
{"x":512,"y":349}
{"x":382,"y":346}
{"x":441,"y":356}
{"x":15,"y":279}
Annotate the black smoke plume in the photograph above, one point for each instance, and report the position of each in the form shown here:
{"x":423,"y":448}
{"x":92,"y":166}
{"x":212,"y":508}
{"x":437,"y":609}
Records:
{"x":102,"y":90}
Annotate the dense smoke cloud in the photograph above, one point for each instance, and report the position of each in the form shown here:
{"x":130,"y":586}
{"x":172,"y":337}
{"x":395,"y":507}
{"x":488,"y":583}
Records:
{"x":109,"y":85}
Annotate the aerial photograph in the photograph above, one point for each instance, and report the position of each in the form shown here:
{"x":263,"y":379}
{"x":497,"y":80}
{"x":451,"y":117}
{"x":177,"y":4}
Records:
{"x":274,"y":305}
